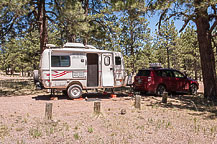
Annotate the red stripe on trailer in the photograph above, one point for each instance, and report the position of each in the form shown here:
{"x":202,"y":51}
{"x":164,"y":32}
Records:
{"x":59,"y":74}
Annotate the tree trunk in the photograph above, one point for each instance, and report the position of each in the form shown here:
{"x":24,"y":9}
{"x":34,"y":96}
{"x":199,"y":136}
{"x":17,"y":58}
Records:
{"x":168,"y":57}
{"x":195,"y":75}
{"x":22,"y":71}
{"x":206,"y":54}
{"x":86,"y":7}
{"x":42,"y":25}
{"x":195,"y":68}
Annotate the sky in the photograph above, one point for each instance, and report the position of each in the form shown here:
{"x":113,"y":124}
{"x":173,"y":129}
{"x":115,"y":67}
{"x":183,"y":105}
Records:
{"x":155,"y":19}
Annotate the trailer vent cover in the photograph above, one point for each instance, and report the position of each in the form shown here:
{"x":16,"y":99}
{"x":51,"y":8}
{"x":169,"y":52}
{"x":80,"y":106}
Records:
{"x":73,"y":45}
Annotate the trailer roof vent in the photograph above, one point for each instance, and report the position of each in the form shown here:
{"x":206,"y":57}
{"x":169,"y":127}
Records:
{"x":90,"y":47}
{"x":73,"y":45}
{"x":50,"y":45}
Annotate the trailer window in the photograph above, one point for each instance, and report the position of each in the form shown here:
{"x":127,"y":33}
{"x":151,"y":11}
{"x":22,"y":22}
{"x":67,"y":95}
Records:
{"x":117,"y":60}
{"x":107,"y":61}
{"x":60,"y":61}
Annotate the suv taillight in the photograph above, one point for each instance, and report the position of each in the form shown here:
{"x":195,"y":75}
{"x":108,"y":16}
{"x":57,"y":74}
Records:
{"x":149,"y":79}
{"x":151,"y":76}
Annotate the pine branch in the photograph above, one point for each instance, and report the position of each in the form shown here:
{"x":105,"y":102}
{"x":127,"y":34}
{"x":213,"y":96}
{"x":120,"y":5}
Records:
{"x":57,"y":5}
{"x":213,"y":26}
{"x":189,"y":17}
{"x":52,"y":13}
{"x":160,"y":20}
{"x":9,"y":27}
{"x":185,"y":24}
{"x":99,"y":22}
{"x":214,"y":9}
{"x":172,"y":15}
{"x":51,"y":20}
{"x":211,"y":16}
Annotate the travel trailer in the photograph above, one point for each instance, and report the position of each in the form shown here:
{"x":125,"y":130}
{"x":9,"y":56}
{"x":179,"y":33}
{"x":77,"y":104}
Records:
{"x":75,"y":67}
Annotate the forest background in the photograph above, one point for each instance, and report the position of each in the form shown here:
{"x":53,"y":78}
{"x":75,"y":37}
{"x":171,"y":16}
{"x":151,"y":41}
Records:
{"x":118,"y":25}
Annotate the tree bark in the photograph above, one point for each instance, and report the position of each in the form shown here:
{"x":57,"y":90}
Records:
{"x":42,"y":25}
{"x":168,"y":57}
{"x":86,"y":8}
{"x":206,"y":54}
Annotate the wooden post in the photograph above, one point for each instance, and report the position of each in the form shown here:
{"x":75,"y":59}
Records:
{"x":164,"y":97}
{"x":48,"y":111}
{"x":138,"y":101}
{"x":97,"y":107}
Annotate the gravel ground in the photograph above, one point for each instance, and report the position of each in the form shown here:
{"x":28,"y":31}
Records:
{"x":22,"y":120}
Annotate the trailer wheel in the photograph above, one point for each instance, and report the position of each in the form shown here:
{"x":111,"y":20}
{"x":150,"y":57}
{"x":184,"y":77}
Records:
{"x":74,"y":91}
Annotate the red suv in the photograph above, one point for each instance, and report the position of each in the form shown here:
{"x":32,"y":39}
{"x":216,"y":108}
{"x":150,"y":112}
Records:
{"x":158,"y":80}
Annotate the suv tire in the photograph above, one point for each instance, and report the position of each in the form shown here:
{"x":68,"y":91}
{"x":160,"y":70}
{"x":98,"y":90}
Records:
{"x":193,"y":89}
{"x":160,"y":90}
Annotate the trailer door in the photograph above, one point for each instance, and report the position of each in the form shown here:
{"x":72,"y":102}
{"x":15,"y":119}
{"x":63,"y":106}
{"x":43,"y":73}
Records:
{"x":118,"y":69}
{"x":107,"y":70}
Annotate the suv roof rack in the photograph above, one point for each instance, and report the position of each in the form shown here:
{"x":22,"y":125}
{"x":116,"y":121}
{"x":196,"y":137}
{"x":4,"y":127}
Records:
{"x":155,"y":65}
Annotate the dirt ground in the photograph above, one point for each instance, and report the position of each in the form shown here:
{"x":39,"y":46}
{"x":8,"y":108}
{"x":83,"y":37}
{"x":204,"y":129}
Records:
{"x":184,"y":119}
{"x":22,"y":120}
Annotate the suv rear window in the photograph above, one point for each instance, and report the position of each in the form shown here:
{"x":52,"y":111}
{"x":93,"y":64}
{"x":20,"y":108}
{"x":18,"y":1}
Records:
{"x":144,"y":73}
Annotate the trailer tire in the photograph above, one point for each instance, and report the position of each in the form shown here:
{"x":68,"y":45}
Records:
{"x":35,"y":76}
{"x":74,"y":91}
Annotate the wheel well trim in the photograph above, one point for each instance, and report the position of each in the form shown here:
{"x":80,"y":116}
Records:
{"x":194,"y":83}
{"x":158,"y":86}
{"x":74,"y":83}
{"x":162,"y":85}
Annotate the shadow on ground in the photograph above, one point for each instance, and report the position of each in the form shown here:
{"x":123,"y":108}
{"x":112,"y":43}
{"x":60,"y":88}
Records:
{"x":179,"y":101}
{"x":91,"y":94}
{"x":16,"y":87}
{"x":88,"y":96}
{"x":190,"y":102}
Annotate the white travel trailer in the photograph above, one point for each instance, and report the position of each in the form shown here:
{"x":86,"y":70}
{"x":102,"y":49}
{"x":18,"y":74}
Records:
{"x":75,"y":67}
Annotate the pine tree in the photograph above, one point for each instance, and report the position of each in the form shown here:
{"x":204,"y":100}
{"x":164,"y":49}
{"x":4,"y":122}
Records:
{"x":21,"y":54}
{"x":202,"y":13}
{"x":189,"y":50}
{"x":166,"y":38}
{"x":133,"y":33}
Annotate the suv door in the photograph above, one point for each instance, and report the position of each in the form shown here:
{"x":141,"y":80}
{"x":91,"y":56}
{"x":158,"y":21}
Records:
{"x":181,"y":81}
{"x":167,"y":78}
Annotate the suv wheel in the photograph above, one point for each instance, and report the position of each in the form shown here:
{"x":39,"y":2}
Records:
{"x":193,"y":89}
{"x":160,"y":90}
